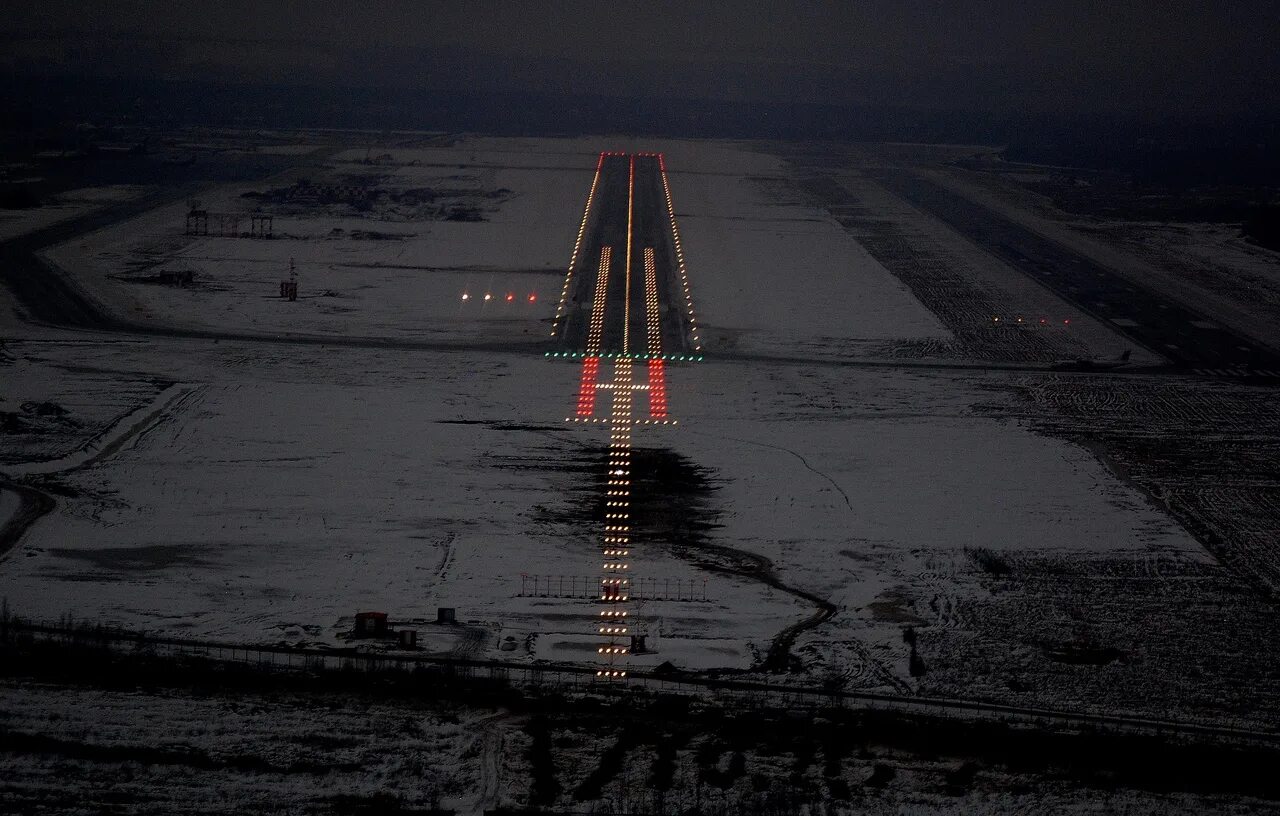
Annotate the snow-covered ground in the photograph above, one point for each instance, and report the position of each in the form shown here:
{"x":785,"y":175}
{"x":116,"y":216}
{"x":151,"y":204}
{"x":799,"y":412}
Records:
{"x":293,"y":485}
{"x":287,"y":491}
{"x":770,"y":276}
{"x":160,"y":751}
{"x":777,"y":277}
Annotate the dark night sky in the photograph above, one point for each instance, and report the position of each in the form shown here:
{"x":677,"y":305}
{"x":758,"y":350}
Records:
{"x":1140,"y":55}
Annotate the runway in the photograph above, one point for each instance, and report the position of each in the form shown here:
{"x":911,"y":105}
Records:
{"x":625,"y":290}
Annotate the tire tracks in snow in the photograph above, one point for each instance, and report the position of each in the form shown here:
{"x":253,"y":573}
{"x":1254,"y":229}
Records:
{"x":491,"y":743}
{"x":800,"y":458}
{"x":133,"y":425}
{"x":34,"y":503}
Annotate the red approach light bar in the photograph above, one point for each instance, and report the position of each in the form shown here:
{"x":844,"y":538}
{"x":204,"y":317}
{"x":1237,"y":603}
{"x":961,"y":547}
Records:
{"x":657,"y":389}
{"x":587,"y":386}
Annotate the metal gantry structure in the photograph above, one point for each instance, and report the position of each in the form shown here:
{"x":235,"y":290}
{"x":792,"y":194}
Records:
{"x":656,"y":279}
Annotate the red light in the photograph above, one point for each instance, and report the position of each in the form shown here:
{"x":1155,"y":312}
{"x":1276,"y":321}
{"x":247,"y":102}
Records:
{"x":510,"y":297}
{"x":657,"y":389}
{"x":587,"y":386}
{"x":532,"y":298}
{"x":1043,"y":321}
{"x":1066,"y":322}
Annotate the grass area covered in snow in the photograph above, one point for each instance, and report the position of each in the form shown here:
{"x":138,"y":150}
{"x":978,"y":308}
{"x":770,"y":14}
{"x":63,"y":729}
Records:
{"x":293,"y":485}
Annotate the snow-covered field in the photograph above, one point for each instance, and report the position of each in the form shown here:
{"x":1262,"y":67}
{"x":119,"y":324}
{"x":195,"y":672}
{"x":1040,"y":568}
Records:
{"x":287,"y":492}
{"x":763,"y":267}
{"x":161,"y":751}
{"x":289,"y":486}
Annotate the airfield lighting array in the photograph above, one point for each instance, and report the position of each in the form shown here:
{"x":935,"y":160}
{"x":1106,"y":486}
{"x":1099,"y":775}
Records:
{"x":680,"y":266}
{"x":613,"y":625}
{"x":577,"y":247}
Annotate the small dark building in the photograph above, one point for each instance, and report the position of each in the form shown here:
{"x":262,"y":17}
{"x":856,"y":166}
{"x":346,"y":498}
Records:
{"x":665,"y":669}
{"x":370,"y":625}
{"x":408,"y":638}
{"x":446,"y":614}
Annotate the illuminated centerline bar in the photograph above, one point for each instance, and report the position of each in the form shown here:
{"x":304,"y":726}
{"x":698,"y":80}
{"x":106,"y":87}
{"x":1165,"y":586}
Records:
{"x":605,"y":337}
{"x":615,"y":584}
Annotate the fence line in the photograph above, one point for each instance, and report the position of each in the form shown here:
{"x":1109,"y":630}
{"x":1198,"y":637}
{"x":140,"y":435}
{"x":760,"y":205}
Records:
{"x":586,"y":587}
{"x":743,"y":693}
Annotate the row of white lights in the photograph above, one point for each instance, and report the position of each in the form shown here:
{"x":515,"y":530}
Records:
{"x":684,"y":275}
{"x":595,"y":329}
{"x":1044,"y":321}
{"x":577,"y":246}
{"x":651,"y":302}
{"x":616,"y":541}
{"x":626,"y":298}
{"x":510,"y":298}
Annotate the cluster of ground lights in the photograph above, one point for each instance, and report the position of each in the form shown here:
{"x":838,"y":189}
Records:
{"x":613,"y":626}
{"x":509,"y":297}
{"x":1022,"y":320}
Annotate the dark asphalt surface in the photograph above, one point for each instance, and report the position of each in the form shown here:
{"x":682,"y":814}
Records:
{"x":607,"y":226}
{"x":46,"y":297}
{"x":1169,"y":328}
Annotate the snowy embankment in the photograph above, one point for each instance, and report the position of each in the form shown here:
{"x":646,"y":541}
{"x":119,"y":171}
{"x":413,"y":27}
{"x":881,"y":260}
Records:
{"x":109,"y":440}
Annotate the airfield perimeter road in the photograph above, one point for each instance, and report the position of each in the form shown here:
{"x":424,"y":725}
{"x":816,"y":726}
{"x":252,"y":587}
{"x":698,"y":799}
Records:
{"x":1165,"y":326}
